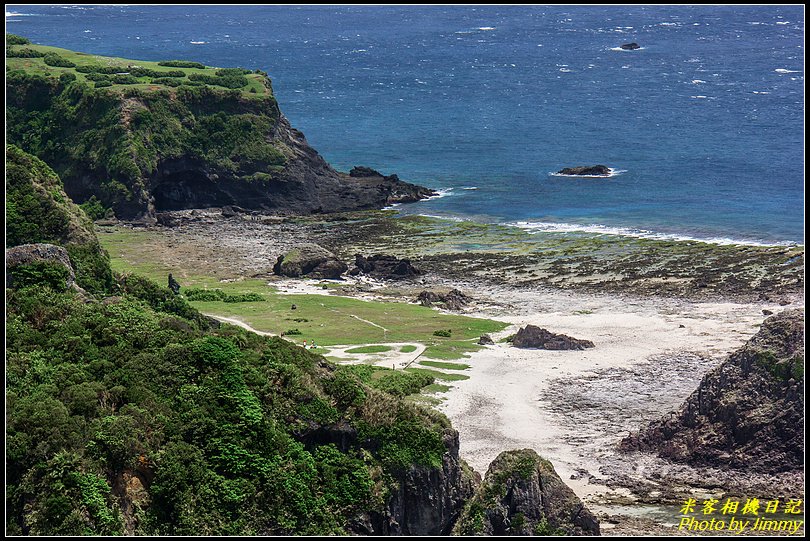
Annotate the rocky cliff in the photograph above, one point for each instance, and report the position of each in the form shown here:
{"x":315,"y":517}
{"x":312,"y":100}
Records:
{"x":150,"y":138}
{"x":523,"y":495}
{"x":748,"y":413}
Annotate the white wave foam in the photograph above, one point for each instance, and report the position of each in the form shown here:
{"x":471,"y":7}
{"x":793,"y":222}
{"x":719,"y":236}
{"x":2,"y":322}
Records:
{"x":198,"y":42}
{"x":613,"y":173}
{"x":669,"y":24}
{"x":486,"y":28}
{"x":566,"y":70}
{"x":697,"y":81}
{"x":469,"y":187}
{"x":552,"y":227}
{"x":698,"y":97}
{"x":440,"y":192}
{"x":782,"y":22}
{"x":15,"y":14}
{"x":783,"y":70}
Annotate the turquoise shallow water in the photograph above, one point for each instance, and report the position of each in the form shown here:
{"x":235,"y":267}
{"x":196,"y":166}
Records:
{"x":705,"y":121}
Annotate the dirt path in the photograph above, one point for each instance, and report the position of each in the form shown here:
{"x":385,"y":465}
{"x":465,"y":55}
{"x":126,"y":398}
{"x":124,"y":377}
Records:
{"x":238,"y":323}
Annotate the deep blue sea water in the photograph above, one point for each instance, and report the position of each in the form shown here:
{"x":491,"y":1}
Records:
{"x":706,"y":119}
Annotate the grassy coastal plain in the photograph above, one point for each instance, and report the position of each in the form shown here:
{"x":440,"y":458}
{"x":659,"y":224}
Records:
{"x":661,"y":313}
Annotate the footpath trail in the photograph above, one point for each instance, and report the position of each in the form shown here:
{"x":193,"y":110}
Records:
{"x":238,"y":323}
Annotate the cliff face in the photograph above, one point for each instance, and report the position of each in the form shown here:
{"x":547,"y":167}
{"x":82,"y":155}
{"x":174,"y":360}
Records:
{"x":427,"y":501}
{"x":748,"y":413}
{"x":142,"y":148}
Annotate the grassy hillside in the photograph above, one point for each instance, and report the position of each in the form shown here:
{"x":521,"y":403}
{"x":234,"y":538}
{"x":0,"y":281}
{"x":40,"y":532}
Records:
{"x":120,"y":74}
{"x":128,"y":412}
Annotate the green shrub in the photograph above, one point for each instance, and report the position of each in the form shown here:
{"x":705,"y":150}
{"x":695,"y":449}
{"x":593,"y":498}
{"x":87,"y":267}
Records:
{"x":24,"y":52}
{"x":292,"y":332}
{"x":14,"y":39}
{"x":43,"y":273}
{"x":181,"y":64}
{"x":67,"y":78}
{"x":94,"y":209}
{"x":121,"y":79}
{"x":102,"y":84}
{"x":444,"y":333}
{"x":53,"y":59}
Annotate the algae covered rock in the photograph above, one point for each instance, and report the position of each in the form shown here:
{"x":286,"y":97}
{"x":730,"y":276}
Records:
{"x":310,"y":260}
{"x":523,"y":495}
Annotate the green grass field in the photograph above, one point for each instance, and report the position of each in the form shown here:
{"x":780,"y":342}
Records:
{"x":329,"y":320}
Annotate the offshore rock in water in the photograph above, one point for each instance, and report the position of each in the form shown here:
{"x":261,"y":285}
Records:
{"x":534,"y":337}
{"x":631,"y":46}
{"x":746,"y":414}
{"x":523,"y":495}
{"x":601,"y":170}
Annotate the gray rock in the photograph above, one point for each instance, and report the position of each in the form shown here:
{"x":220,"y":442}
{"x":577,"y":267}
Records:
{"x":534,"y":337}
{"x":523,"y":495}
{"x":25,"y":254}
{"x":310,"y":260}
{"x":452,"y":300}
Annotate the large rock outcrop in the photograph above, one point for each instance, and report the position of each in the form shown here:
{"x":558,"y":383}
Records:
{"x":523,"y":495}
{"x":188,"y":145}
{"x":748,"y":413}
{"x":310,"y":260}
{"x":384,"y":266}
{"x":451,"y":300}
{"x":532,"y":336}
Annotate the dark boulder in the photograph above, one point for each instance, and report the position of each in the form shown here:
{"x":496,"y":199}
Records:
{"x":747,"y":414}
{"x":631,"y":46}
{"x":384,"y":266}
{"x":309,"y":260}
{"x":585,"y":170}
{"x":486,"y":340}
{"x":534,"y":337}
{"x":452,"y":300}
{"x":523,"y":495}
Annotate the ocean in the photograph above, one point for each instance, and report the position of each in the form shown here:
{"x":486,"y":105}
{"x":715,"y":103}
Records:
{"x":703,"y":124}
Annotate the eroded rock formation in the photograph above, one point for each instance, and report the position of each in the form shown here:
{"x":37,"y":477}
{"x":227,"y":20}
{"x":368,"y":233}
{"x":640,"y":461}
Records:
{"x":523,"y":495}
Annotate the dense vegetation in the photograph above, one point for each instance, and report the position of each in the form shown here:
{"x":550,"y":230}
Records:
{"x":106,"y":125}
{"x":130,"y":412}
